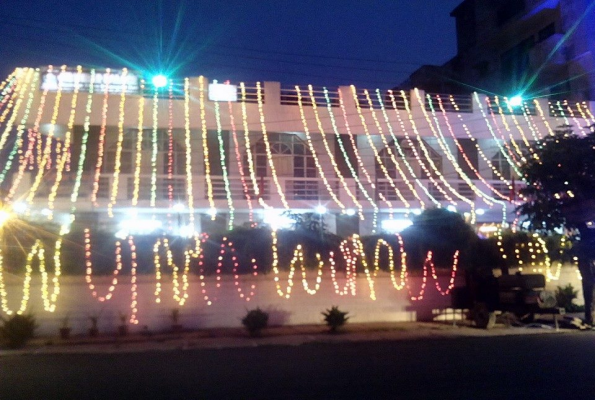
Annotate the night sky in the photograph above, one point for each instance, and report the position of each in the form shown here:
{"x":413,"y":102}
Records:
{"x":322,"y":42}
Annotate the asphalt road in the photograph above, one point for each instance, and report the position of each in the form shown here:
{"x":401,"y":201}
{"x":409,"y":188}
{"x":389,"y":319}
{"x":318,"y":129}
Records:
{"x":514,"y":367}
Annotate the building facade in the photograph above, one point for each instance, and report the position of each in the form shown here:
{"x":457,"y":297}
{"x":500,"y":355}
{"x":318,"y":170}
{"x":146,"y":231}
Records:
{"x":532,"y":47}
{"x":107,"y":150}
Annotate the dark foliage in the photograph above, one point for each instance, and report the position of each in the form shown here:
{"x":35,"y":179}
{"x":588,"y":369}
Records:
{"x":335,"y":318}
{"x":255,"y":321}
{"x":18,"y":330}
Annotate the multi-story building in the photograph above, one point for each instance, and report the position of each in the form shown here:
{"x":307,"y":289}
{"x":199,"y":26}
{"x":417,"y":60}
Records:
{"x":118,"y":153}
{"x":532,"y":47}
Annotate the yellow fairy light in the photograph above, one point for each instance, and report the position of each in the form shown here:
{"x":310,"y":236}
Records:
{"x":238,"y":154}
{"x":224,"y":166}
{"x":329,"y":152}
{"x":9,"y":97}
{"x":542,"y":116}
{"x":584,"y":106}
{"x":85,"y":138}
{"x":427,"y":156}
{"x":154,"y":149}
{"x":180,"y":296}
{"x":360,"y":163}
{"x":574,"y":118}
{"x":89,"y":269}
{"x":248,"y":147}
{"x":188,"y":143}
{"x":477,"y":147}
{"x":398,"y":146}
{"x":502,"y":150}
{"x":391,"y":262}
{"x":268,"y":147}
{"x":350,"y":272}
{"x":22,"y":86}
{"x":388,"y":148}
{"x":205,"y":147}
{"x":101,"y":145}
{"x":352,"y":169}
{"x":61,"y":162}
{"x":118,"y":162}
{"x":139,"y":144}
{"x":133,"y":284}
{"x":329,"y":189}
{"x":375,"y":151}
{"x":275,"y":266}
{"x":21,"y":128}
{"x":507,"y":128}
{"x":48,"y":144}
{"x":49,"y":300}
{"x":445,"y":148}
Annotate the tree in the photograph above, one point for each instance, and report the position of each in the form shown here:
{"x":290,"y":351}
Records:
{"x":560,"y":193}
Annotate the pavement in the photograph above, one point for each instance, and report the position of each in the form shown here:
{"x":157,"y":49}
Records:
{"x":223,"y":338}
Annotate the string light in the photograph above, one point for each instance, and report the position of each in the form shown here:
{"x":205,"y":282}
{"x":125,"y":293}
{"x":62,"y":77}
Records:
{"x":248,"y":146}
{"x":375,"y":151}
{"x":223,"y":162}
{"x":205,"y":147}
{"x":389,"y":150}
{"x":180,"y":296}
{"x":170,"y":153}
{"x":118,"y":162}
{"x":359,"y":161}
{"x":239,"y":162}
{"x":350,"y":272}
{"x":20,"y":97}
{"x":133,"y":285}
{"x":543,"y":118}
{"x":398,"y":146}
{"x":84,"y":140}
{"x":154,"y":148}
{"x":61,"y":162}
{"x":354,"y":175}
{"x":101,"y":142}
{"x":329,"y":152}
{"x":139,"y":144}
{"x":453,"y":274}
{"x":89,"y":269}
{"x":268,"y":147}
{"x":424,"y":279}
{"x":329,"y":189}
{"x":502,"y":150}
{"x":48,"y":144}
{"x":21,"y":128}
{"x":188,"y":144}
{"x":477,"y":147}
{"x":428,"y":157}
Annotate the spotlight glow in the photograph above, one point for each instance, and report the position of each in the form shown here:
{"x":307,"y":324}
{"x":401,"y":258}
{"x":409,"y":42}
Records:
{"x":321,"y":209}
{"x":516,"y":101}
{"x":159,"y":81}
{"x":350,"y":212}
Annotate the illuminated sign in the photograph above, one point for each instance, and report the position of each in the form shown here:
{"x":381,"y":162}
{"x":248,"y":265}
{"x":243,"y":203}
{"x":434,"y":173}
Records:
{"x":221,"y":92}
{"x":115,"y":81}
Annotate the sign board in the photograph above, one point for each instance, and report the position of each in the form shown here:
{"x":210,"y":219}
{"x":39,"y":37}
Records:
{"x":115,"y":81}
{"x":221,"y":92}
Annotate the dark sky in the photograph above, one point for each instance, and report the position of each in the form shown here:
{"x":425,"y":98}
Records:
{"x":373,"y":43}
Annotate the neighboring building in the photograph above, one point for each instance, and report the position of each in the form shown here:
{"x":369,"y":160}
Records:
{"x":124,"y":156}
{"x":535,"y":47}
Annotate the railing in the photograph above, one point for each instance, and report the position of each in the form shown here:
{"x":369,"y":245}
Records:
{"x":236,"y":188}
{"x":560,"y":109}
{"x":528,"y":107}
{"x":450,"y":103}
{"x":289,"y":97}
{"x":251,"y":93}
{"x":309,"y":189}
{"x":387,"y":101}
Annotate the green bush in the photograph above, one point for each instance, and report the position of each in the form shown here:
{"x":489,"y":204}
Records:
{"x":335,"y":318}
{"x":565,"y":298}
{"x":255,"y":321}
{"x":17,"y":330}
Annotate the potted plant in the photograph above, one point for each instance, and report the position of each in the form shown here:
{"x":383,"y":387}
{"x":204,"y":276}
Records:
{"x":17,"y":330}
{"x":255,"y":321}
{"x":335,"y":318}
{"x":65,"y":329}
{"x":93,"y":330}
{"x":175,"y":319}
{"x":123,"y":327}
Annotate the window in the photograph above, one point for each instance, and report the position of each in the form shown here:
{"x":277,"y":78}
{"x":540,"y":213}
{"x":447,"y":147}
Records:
{"x":501,"y":164}
{"x":410,"y":157}
{"x":290,"y":156}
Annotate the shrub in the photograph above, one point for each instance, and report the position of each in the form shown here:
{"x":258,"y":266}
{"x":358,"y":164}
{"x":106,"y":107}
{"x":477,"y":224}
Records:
{"x":335,"y":318}
{"x":565,"y":298}
{"x":18,"y":330}
{"x":255,"y":321}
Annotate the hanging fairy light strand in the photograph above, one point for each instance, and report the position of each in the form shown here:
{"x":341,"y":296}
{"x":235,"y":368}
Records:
{"x":223,"y":162}
{"x":119,"y":143}
{"x":325,"y":181}
{"x":205,"y":146}
{"x":101,"y":142}
{"x":61,"y":162}
{"x":139,"y":144}
{"x":154,"y":148}
{"x":188,"y":145}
